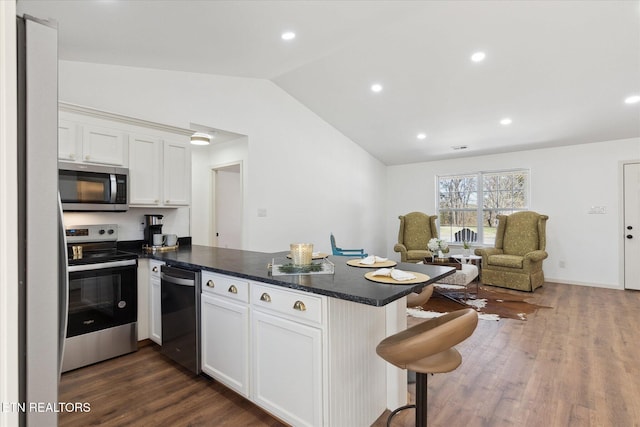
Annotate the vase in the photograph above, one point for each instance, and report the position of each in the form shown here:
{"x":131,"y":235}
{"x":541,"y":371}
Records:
{"x":440,"y":254}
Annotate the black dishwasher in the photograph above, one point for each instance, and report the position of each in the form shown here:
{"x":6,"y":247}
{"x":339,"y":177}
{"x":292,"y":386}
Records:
{"x":180,"y":308}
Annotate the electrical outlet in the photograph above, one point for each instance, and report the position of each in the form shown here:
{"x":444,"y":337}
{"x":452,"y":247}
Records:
{"x":262,"y":212}
{"x":561,"y":264}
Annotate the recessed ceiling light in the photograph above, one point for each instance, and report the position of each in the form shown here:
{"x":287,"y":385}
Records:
{"x":506,"y":121}
{"x":377,"y":87}
{"x":633,"y":99}
{"x":289,"y":35}
{"x":421,"y":136}
{"x":478,"y":57}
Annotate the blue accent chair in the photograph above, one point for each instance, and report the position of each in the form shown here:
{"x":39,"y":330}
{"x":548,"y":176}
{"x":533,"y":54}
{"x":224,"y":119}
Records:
{"x":346,"y":252}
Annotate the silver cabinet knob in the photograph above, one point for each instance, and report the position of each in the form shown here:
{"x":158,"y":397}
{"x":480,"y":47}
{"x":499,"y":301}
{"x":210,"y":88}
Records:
{"x":211,"y":284}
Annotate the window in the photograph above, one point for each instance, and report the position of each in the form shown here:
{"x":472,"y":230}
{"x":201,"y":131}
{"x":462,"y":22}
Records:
{"x":468,"y":204}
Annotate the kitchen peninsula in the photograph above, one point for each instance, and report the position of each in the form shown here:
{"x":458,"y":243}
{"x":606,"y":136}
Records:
{"x":300,"y":346}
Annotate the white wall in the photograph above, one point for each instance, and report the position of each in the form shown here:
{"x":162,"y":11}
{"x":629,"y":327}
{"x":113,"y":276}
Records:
{"x":565,"y":183}
{"x":175,"y":221}
{"x":310,"y":178}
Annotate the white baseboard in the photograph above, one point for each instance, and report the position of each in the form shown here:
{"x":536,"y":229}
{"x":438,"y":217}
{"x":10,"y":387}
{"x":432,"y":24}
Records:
{"x":593,"y":285}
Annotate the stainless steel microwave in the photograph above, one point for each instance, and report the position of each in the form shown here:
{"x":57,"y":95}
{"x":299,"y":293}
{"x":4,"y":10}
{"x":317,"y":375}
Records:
{"x":93,"y":188}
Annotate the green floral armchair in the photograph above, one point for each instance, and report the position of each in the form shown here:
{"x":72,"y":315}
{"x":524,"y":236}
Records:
{"x":416,"y":229}
{"x":516,"y":260}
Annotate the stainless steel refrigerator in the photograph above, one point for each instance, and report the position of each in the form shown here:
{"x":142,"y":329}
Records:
{"x":41,"y":251}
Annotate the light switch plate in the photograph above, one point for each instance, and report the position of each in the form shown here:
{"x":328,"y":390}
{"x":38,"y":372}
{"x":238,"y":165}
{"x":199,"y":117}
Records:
{"x":597,"y":210}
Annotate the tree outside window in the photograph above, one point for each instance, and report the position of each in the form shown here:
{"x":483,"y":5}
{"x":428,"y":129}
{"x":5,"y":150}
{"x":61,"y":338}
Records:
{"x":468,"y":204}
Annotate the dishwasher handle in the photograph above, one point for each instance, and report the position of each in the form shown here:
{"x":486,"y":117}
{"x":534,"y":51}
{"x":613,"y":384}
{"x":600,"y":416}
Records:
{"x":177,"y":280}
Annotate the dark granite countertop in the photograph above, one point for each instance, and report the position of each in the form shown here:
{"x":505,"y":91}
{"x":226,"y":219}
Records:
{"x":347,"y":283}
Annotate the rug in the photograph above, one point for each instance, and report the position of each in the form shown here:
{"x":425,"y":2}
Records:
{"x":491,"y":303}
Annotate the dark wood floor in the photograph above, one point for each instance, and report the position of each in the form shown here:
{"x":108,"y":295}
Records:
{"x":146,"y":389}
{"x":576,"y":364}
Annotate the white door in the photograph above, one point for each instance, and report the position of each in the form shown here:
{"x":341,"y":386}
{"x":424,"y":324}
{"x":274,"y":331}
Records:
{"x":227,"y":199}
{"x":631,"y":226}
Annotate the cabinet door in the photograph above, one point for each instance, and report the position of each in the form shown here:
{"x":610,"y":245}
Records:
{"x":287,"y":368}
{"x":67,"y":149}
{"x":225,"y":342}
{"x":177,"y":173}
{"x":102,"y":145}
{"x":155,"y":313}
{"x":144,"y":170}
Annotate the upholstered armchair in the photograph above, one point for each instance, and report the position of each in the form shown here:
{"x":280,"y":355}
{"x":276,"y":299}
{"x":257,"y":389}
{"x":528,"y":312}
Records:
{"x":516,"y":260}
{"x":416,"y":229}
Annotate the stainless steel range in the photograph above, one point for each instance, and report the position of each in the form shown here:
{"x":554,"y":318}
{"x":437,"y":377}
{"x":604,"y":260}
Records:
{"x":103,"y":297}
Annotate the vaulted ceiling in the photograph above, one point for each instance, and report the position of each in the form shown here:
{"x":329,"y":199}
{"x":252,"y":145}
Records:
{"x":559,"y":70}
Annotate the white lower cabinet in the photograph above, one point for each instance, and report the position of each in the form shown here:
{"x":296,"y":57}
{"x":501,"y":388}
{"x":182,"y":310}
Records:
{"x":155,"y":313}
{"x":303,"y":357}
{"x":287,"y":368}
{"x":225,"y":331}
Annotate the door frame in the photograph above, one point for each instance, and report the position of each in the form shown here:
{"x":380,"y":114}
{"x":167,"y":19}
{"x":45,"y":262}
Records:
{"x":213,"y":224}
{"x":621,"y":221}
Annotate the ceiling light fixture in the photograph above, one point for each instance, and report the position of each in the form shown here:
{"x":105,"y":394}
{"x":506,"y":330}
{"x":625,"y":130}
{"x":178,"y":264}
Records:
{"x":377,"y":87}
{"x":506,"y":121}
{"x":478,"y":56}
{"x":201,"y":138}
{"x":633,"y":99}
{"x":288,"y":35}
{"x":421,"y":136}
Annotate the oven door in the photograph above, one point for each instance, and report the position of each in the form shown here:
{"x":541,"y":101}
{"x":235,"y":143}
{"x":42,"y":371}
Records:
{"x":102,"y":296}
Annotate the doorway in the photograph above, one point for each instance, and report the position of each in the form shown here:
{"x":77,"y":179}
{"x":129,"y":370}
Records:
{"x":631,"y":224}
{"x":227,"y":206}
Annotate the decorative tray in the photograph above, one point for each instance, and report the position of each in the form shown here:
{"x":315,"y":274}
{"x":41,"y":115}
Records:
{"x":154,"y":249}
{"x":284,"y":267}
{"x":315,"y":255}
{"x":381,"y":264}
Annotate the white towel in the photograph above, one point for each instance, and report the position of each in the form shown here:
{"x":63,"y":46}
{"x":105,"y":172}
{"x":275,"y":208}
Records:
{"x":371,"y":259}
{"x":395,"y":274}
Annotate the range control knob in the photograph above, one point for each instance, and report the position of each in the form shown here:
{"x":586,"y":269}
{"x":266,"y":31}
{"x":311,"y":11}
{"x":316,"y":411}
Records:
{"x":101,"y":232}
{"x":111,"y":231}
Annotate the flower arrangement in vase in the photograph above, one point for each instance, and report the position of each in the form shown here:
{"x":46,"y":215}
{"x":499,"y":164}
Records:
{"x":438,"y":247}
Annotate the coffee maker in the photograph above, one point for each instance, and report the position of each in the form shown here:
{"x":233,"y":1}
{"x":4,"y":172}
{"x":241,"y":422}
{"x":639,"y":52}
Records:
{"x":153,"y":226}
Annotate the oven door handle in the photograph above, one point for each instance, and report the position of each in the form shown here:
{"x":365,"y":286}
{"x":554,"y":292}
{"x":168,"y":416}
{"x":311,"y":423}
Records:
{"x":177,"y":280}
{"x":102,"y":265}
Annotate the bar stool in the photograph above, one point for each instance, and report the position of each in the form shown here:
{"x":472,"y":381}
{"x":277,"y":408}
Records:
{"x":416,"y":300}
{"x":427,"y":348}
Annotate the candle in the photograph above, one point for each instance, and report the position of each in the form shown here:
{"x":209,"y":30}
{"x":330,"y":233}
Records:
{"x":301,"y":253}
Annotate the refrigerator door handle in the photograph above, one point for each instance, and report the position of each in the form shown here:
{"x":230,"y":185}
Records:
{"x":63,"y":270}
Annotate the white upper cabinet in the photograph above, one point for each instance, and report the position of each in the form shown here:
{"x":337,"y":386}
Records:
{"x":177,"y":173}
{"x":89,"y":140}
{"x":159,"y":171}
{"x":68,"y":148}
{"x":103,"y":145}
{"x":145,"y":157}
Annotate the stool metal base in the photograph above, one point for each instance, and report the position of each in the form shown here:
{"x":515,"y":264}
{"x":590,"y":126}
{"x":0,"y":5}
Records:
{"x":421,"y":402}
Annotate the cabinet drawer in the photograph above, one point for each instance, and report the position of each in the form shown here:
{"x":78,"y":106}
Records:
{"x":228,"y":286}
{"x":294,"y":304}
